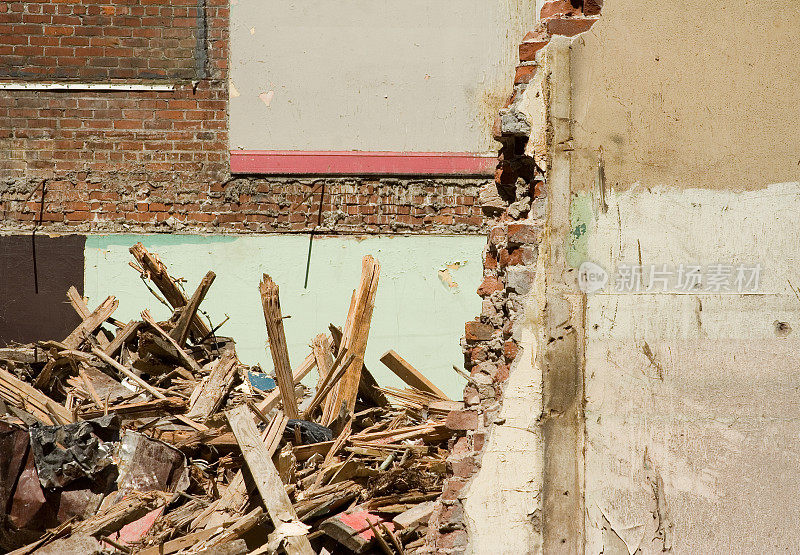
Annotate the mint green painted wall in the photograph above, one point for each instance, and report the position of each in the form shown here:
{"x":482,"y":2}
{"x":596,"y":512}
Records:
{"x":416,"y":312}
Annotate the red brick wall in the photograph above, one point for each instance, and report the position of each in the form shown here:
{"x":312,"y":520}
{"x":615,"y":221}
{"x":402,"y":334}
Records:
{"x":95,"y":153}
{"x":158,"y":160}
{"x":101,"y":39}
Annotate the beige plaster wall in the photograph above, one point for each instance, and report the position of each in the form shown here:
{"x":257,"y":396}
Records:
{"x":689,"y":94}
{"x":691,"y":398}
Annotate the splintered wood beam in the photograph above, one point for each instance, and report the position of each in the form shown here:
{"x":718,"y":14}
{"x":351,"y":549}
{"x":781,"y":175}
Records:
{"x":122,"y":337}
{"x":265,"y":475}
{"x":26,"y":397}
{"x":151,"y":267}
{"x":410,"y":375}
{"x":270,"y":302}
{"x":214,"y":387}
{"x":181,"y":330}
{"x":328,"y":383}
{"x":83,"y":311}
{"x":321,"y":346}
{"x":368,"y":387}
{"x":128,"y":373}
{"x":91,"y":323}
{"x":191,"y":364}
{"x":356,"y":333}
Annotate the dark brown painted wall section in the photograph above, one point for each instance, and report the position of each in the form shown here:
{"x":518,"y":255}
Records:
{"x":35,"y":274}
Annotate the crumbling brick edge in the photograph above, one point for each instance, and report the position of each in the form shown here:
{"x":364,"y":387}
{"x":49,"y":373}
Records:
{"x":516,"y":206}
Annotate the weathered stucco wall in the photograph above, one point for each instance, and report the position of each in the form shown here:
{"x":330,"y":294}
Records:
{"x":677,"y":96}
{"x":691,"y":398}
{"x":691,"y":395}
{"x":426,"y":290}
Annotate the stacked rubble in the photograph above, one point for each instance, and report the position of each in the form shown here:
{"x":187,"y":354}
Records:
{"x":152,"y":437}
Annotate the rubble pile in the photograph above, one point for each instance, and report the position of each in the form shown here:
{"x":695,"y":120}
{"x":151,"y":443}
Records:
{"x":153,"y":438}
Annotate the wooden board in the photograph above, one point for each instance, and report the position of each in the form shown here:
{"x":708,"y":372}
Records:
{"x":356,"y":333}
{"x":181,"y":330}
{"x":214,"y":387}
{"x":265,"y":475}
{"x":410,"y":375}
{"x":156,"y":271}
{"x":270,"y":302}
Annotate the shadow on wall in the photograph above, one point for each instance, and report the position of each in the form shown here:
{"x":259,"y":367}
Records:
{"x":35,"y":273}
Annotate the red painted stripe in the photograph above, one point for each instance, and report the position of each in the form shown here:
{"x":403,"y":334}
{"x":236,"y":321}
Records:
{"x":360,"y":162}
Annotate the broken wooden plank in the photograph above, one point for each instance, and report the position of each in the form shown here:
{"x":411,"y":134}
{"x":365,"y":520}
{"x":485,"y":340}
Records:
{"x":181,"y":330}
{"x":24,"y":396}
{"x":122,"y":337}
{"x":413,"y":517}
{"x":355,"y":337}
{"x":191,"y":364}
{"x":235,"y":496}
{"x":214,"y":387}
{"x":42,"y":381}
{"x":180,"y":543}
{"x":321,"y":346}
{"x":140,"y":409}
{"x":265,"y":475}
{"x":329,"y":382}
{"x":79,"y":304}
{"x":132,"y":507}
{"x":410,"y":375}
{"x":274,"y":396}
{"x":91,"y":323}
{"x":90,"y":387}
{"x":368,"y":386}
{"x":154,"y":269}
{"x":128,"y":373}
{"x":270,"y":302}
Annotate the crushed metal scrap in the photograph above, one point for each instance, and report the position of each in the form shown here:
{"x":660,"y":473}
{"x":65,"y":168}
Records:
{"x":152,"y":437}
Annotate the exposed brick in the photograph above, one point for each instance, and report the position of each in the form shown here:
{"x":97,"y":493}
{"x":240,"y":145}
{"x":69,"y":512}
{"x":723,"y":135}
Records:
{"x":452,"y":540}
{"x":462,"y":420}
{"x":452,"y":488}
{"x":490,"y":285}
{"x":497,"y":235}
{"x":489,"y":261}
{"x":462,"y":467}
{"x":521,"y":234}
{"x":569,"y":27}
{"x":528,"y":49}
{"x":510,"y":350}
{"x":478,"y":331}
{"x":478,"y":439}
{"x":525,"y":72}
{"x":502,"y":373}
{"x":471,"y":397}
{"x":592,"y":7}
{"x":556,"y":8}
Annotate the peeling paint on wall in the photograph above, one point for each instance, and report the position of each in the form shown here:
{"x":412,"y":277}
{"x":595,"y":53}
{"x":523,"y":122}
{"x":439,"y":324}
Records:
{"x":691,"y":398}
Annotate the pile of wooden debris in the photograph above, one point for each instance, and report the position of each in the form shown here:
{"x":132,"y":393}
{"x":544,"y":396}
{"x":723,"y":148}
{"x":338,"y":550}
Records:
{"x":152,"y":437}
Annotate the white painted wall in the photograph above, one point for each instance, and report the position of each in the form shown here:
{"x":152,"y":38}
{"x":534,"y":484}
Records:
{"x":714,"y":413}
{"x":416,"y":312}
{"x":372,"y":74}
